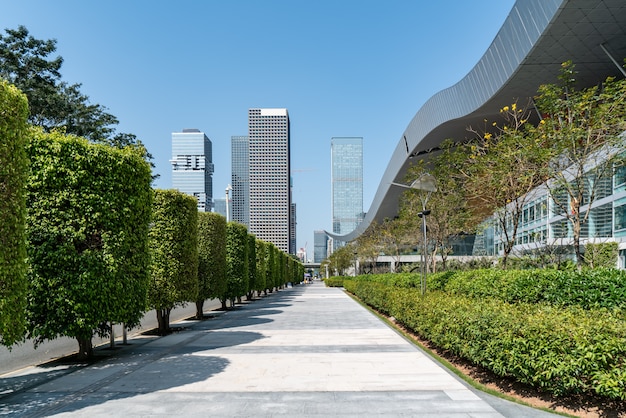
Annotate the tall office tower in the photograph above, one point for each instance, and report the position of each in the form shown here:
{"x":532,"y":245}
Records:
{"x":269,"y":177}
{"x":192,"y":166}
{"x":320,"y":246}
{"x":219,"y":206}
{"x":292,"y":229}
{"x":240,"y":203}
{"x":346,"y":184}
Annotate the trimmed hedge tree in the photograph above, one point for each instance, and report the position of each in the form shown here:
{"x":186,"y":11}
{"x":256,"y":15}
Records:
{"x":211,"y":258}
{"x":173,"y":241}
{"x":236,"y":262}
{"x":88,"y":214}
{"x":13,"y":177}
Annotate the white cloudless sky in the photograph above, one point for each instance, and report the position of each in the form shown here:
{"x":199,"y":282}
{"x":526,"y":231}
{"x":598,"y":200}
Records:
{"x":340,"y":67}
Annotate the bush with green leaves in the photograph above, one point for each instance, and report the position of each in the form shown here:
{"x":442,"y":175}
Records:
{"x":211,"y":258}
{"x":13,"y":177}
{"x":251,"y":254}
{"x":564,"y":349}
{"x":89,"y":210}
{"x":261,"y":251}
{"x":173,"y":238}
{"x":237,"y":277}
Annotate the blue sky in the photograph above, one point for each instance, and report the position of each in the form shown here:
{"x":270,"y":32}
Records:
{"x":341,"y":68}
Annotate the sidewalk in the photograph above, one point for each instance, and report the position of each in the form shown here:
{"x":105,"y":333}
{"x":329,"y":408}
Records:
{"x":307,"y":351}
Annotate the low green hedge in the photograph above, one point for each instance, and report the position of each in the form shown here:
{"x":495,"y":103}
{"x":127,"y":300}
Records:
{"x":335,"y":281}
{"x":563,"y":350}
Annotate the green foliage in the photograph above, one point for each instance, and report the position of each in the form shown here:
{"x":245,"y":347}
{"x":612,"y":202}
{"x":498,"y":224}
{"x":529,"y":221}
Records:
{"x":251,"y":254}
{"x":89,"y":210}
{"x":262,"y":254}
{"x":237,"y":277}
{"x":13,"y":177}
{"x":211,"y":255}
{"x":602,"y":255}
{"x":563,"y":348}
{"x":174,"y":247}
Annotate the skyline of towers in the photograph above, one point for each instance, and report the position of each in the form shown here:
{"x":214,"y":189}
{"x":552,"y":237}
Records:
{"x":346,"y":184}
{"x":192,"y":166}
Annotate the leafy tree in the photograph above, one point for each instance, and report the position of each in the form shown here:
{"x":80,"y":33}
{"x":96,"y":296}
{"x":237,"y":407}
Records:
{"x":173,"y":238}
{"x":503,"y":166}
{"x":211,"y":258}
{"x":450,"y":213}
{"x":251,"y":266}
{"x":88,"y":213}
{"x":27,"y":63}
{"x":261,"y":252}
{"x":582,"y":132}
{"x":236,"y":262}
{"x":13,"y":178}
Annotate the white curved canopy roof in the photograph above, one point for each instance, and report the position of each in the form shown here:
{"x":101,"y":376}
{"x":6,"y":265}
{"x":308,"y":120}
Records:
{"x":537,"y":36}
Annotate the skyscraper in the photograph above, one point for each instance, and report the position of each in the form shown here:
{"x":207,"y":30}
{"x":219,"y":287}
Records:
{"x":240,"y":203}
{"x":270,"y":210}
{"x":320,"y":246}
{"x":346,"y":183}
{"x":192,"y":166}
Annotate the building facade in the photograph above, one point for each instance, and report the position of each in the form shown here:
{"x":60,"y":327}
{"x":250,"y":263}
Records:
{"x":320,"y":246}
{"x":192,"y":166}
{"x":269,"y":169}
{"x":240,"y":159}
{"x":346,"y":183}
{"x":219,"y":206}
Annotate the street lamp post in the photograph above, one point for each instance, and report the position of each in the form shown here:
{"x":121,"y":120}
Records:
{"x":228,"y":189}
{"x":427,"y":183}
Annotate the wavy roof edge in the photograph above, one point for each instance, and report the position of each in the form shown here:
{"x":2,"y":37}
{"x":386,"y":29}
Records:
{"x":534,"y":40}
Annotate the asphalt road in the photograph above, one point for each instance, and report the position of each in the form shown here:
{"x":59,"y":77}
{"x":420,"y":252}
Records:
{"x":25,"y":354}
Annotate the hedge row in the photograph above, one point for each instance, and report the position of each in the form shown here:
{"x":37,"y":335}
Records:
{"x":591,"y":288}
{"x":567,"y":350}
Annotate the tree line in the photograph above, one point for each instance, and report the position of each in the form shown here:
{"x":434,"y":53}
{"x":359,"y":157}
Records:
{"x":85,"y":241}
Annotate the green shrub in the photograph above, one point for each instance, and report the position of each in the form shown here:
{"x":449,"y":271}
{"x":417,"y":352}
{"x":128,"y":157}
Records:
{"x":335,"y":281}
{"x":567,"y":350}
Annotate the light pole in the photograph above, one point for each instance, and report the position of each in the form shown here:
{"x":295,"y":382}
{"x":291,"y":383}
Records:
{"x":228,"y":189}
{"x":427,"y":183}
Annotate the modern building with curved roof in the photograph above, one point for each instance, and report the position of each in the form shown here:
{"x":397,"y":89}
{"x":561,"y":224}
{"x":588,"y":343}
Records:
{"x":535,"y":39}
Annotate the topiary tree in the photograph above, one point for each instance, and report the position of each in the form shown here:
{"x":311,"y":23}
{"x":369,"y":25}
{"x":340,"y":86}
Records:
{"x":88,"y":214}
{"x":174,"y":246}
{"x":236,"y":262}
{"x":251,"y":266}
{"x":211,"y":258}
{"x":13,"y":177}
{"x":260,"y":280}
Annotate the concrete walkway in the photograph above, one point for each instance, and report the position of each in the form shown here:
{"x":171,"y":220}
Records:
{"x":307,"y":351}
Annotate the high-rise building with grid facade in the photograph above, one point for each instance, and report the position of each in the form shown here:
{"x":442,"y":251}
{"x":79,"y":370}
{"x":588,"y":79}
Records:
{"x":270,"y":211}
{"x":192,"y":166}
{"x":240,"y":159}
{"x":346,"y":183}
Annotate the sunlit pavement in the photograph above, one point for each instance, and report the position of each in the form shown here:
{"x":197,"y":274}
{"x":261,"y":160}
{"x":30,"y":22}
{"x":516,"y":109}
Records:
{"x":306,"y":351}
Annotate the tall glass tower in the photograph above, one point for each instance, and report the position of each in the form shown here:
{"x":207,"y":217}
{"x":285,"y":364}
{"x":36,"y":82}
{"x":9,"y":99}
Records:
{"x":192,"y":166}
{"x":240,"y":203}
{"x":271,"y":216}
{"x":346,"y":183}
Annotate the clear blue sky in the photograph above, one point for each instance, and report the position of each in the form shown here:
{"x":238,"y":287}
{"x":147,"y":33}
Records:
{"x":341,"y":68}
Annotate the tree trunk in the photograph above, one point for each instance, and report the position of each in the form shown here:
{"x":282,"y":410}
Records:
{"x":163,"y":318}
{"x":85,"y":348}
{"x":224,"y":307}
{"x":200,"y":309}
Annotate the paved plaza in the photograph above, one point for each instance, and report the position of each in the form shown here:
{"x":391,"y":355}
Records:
{"x":306,"y":351}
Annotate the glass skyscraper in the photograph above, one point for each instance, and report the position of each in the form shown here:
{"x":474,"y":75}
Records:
{"x":192,"y":166}
{"x":270,"y":210}
{"x":346,"y":183}
{"x":240,"y":203}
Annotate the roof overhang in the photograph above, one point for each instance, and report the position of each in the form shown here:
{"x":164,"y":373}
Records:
{"x":535,"y":39}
